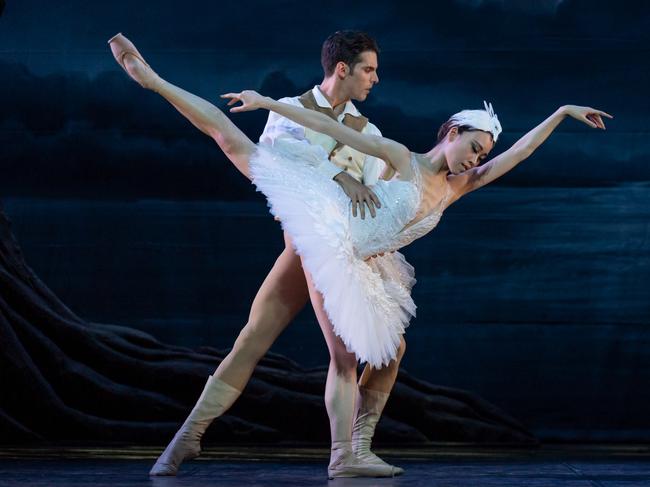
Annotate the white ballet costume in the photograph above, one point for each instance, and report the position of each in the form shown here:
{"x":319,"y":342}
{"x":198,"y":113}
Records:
{"x":367,"y":296}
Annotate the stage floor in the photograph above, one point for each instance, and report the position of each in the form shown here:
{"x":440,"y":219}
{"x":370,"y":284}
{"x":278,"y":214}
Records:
{"x":552,"y":466}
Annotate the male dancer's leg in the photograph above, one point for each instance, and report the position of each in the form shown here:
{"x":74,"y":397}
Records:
{"x":383,"y":379}
{"x":282,"y":295}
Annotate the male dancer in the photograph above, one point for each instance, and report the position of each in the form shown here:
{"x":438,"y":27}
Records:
{"x":349,"y":60}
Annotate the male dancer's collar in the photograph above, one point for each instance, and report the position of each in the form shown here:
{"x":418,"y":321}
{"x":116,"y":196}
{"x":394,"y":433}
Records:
{"x":323,"y":102}
{"x":315,"y":100}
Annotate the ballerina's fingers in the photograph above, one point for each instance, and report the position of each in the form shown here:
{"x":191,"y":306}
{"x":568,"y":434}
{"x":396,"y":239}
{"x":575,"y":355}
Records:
{"x":585,"y":115}
{"x":600,"y":121}
{"x":595,"y":121}
{"x":595,"y":116}
{"x":234,"y":98}
{"x":604,"y":114}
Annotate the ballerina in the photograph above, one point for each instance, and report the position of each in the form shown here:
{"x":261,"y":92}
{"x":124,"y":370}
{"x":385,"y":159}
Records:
{"x":353,"y":265}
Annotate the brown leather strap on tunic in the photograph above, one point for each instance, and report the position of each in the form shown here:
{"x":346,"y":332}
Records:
{"x":357,"y":123}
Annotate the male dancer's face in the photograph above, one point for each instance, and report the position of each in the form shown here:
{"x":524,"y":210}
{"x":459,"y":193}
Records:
{"x":360,"y":81}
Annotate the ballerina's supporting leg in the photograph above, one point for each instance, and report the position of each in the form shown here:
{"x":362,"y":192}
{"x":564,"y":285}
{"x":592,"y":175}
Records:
{"x":340,"y":399}
{"x":375,"y":386}
{"x":340,"y":388}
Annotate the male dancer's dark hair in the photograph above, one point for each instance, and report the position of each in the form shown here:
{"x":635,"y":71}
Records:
{"x":346,"y":46}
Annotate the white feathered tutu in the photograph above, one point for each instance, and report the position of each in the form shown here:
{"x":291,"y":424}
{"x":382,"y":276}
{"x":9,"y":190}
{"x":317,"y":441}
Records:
{"x":367,"y":299}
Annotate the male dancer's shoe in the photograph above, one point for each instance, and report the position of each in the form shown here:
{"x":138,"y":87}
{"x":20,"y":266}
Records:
{"x":142,"y":74}
{"x":216,"y":398}
{"x":370,"y":405}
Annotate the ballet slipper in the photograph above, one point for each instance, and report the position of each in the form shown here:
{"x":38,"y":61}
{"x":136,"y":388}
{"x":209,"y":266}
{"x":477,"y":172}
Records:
{"x":216,"y":398}
{"x":344,"y":464}
{"x":370,"y":405}
{"x":141,"y":73}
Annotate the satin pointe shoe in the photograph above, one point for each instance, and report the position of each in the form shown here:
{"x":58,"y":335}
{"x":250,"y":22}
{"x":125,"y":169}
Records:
{"x":134,"y":65}
{"x":345,"y":464}
{"x":370,"y":405}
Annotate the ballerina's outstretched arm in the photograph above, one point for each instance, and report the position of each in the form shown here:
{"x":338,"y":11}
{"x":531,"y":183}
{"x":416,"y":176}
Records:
{"x":394,"y":153}
{"x":522,"y":149}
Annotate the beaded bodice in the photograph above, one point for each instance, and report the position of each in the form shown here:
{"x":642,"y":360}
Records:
{"x":392,"y":228}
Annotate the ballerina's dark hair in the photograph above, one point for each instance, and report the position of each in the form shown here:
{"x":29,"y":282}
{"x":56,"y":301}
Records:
{"x":446,"y":127}
{"x":346,"y":46}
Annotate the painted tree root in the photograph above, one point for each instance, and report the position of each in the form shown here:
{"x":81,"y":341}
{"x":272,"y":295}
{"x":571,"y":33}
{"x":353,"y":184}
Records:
{"x":64,"y":379}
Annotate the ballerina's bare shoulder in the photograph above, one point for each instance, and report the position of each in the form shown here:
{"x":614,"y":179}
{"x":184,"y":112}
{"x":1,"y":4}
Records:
{"x":437,"y":193}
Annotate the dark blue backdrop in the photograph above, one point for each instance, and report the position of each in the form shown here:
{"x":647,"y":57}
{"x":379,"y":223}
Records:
{"x":533,"y":292}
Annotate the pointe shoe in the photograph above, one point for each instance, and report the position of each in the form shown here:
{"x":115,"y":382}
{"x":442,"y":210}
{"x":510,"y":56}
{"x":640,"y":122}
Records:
{"x":345,"y":464}
{"x":216,"y":398}
{"x":142,"y":74}
{"x":369,"y":408}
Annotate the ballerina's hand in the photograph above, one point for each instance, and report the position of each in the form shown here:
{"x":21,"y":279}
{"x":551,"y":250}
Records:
{"x":588,"y":115}
{"x":250,"y":100}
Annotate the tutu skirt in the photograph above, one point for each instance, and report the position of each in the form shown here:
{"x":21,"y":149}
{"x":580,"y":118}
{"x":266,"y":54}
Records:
{"x":367,"y":298}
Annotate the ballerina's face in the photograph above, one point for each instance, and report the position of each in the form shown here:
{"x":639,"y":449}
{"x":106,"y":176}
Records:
{"x":466,"y":150}
{"x":360,"y":81}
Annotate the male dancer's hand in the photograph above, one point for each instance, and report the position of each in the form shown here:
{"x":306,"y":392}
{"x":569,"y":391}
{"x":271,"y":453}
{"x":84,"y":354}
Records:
{"x":360,"y":195}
